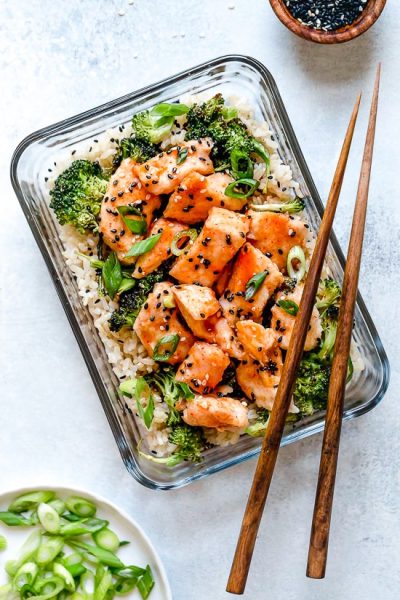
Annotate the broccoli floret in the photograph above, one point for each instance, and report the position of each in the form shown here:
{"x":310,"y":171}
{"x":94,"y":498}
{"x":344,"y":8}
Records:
{"x":171,"y":391}
{"x":328,"y":302}
{"x":134,"y":147}
{"x":229,"y":133}
{"x":189,"y":442}
{"x":77,"y":195}
{"x":131,"y":301}
{"x":290,"y":206}
{"x":312,"y":384}
{"x":328,"y":295}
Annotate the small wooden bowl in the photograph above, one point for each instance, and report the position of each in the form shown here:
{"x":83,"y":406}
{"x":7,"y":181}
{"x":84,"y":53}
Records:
{"x":366,"y":19}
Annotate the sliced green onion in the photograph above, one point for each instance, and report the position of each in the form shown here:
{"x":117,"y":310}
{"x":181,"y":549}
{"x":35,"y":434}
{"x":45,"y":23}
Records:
{"x":49,"y":548}
{"x":296,"y":253}
{"x":3,"y":542}
{"x":106,"y":539}
{"x":58,"y":505}
{"x":48,"y":517}
{"x":80,"y":506}
{"x":254,"y":284}
{"x":191,"y":234}
{"x":65,"y":575}
{"x":261,"y":152}
{"x":72,"y":559}
{"x":144,"y":246}
{"x":126,"y":284}
{"x":142,"y":390}
{"x":289,"y":306}
{"x":112,"y":275}
{"x":87,"y":584}
{"x":30,"y":500}
{"x":166,"y":109}
{"x":103,"y":586}
{"x":128,"y":387}
{"x":26,"y":552}
{"x":104,"y":556}
{"x":25,"y":575}
{"x":50,"y":588}
{"x":169,"y":301}
{"x":130,"y":572}
{"x":10,"y":518}
{"x":289,"y":206}
{"x":170,"y":342}
{"x":251,"y":185}
{"x":241,"y":165}
{"x":146,"y":583}
{"x":138,"y":226}
{"x":83,"y":527}
{"x":182,"y":155}
{"x":71,"y":517}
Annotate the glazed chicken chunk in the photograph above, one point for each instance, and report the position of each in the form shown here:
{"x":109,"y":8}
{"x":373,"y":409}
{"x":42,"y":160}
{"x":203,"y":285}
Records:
{"x":196,"y":195}
{"x":164,"y":173}
{"x":125,"y":189}
{"x":203,"y":368}
{"x":150,"y":261}
{"x":155,"y":321}
{"x":219,"y":413}
{"x":275,"y":234}
{"x":224,"y":232}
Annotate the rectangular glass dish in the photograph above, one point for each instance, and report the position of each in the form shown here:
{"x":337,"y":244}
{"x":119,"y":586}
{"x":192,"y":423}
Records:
{"x":238,"y":75}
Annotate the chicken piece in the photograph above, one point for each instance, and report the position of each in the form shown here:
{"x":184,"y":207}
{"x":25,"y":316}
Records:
{"x":222,"y":282}
{"x":124,"y":189}
{"x":249,"y":262}
{"x":275,"y":234}
{"x":203,"y":368}
{"x":198,"y":301}
{"x":214,"y":328}
{"x":156,"y":321}
{"x":260,"y":383}
{"x":196,"y":195}
{"x":224,"y":232}
{"x":163,"y":173}
{"x":283,"y":323}
{"x":258,"y":342}
{"x":219,"y":413}
{"x":150,"y":261}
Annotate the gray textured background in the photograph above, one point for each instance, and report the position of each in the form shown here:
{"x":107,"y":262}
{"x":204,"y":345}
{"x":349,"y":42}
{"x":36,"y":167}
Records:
{"x":59,"y":58}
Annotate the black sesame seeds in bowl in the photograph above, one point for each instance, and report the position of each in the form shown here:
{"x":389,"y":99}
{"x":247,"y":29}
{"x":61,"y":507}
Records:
{"x":328,"y":21}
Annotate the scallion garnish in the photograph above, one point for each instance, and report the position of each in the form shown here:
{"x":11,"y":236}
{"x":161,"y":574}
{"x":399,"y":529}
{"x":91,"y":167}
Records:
{"x":112,"y":274}
{"x":241,"y":165}
{"x":80,"y":506}
{"x":29,"y":501}
{"x":188,"y":234}
{"x":233,"y":192}
{"x":289,"y":306}
{"x":253,"y":285}
{"x":49,"y":518}
{"x":138,"y":226}
{"x":144,"y":245}
{"x":165,"y":347}
{"x":142,"y":390}
{"x":107,"y":539}
{"x":3,"y":542}
{"x":182,"y":155}
{"x":13,"y":519}
{"x":146,"y":583}
{"x":296,"y":253}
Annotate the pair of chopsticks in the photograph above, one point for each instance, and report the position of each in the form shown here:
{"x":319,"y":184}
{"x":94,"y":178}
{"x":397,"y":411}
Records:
{"x":330,"y":447}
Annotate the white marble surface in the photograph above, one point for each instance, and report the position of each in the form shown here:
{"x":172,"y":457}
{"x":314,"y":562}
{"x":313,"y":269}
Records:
{"x":58,"y":58}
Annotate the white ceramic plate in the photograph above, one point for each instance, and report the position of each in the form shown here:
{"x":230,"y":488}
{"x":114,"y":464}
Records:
{"x":139,"y":552}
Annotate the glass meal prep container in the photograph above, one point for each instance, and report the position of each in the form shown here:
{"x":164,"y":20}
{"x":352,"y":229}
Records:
{"x":232,"y":74}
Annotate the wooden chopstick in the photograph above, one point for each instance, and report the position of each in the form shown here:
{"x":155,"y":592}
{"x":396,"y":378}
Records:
{"x":276,"y":422}
{"x":318,"y":549}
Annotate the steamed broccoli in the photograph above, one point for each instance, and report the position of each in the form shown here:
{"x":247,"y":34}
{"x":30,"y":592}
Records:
{"x":189,"y":442}
{"x":132,"y":300}
{"x":171,"y":391}
{"x":154,"y":125}
{"x":328,"y":302}
{"x":290,"y":206}
{"x":312,"y":383}
{"x":134,"y":147}
{"x":77,"y":195}
{"x":213,"y":119}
